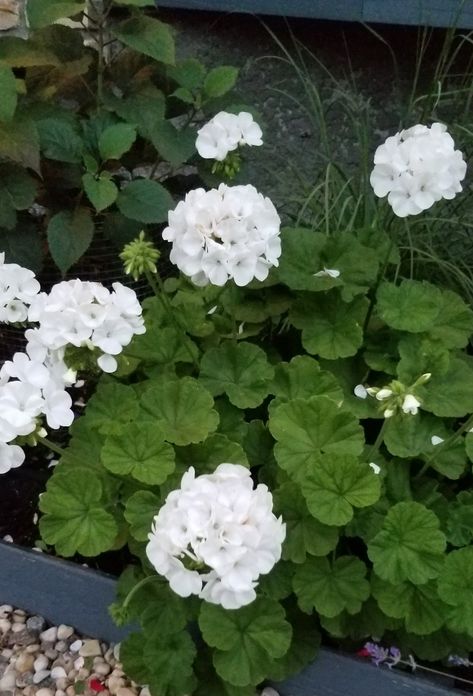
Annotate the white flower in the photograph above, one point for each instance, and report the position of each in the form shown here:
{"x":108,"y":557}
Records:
{"x":327,"y":272}
{"x":225,"y":132}
{"x":227,"y":233}
{"x":388,"y":413}
{"x":436,"y":440}
{"x":410,"y":404}
{"x":376,"y":468}
{"x":417,"y":167}
{"x":360,"y":391}
{"x":18,"y":287}
{"x":20,"y":405}
{"x":11,"y":456}
{"x":216,"y":535}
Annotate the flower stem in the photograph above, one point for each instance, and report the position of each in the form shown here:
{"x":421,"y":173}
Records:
{"x":137,"y":587}
{"x":156,"y":284}
{"x":379,"y":440}
{"x":57,"y":449}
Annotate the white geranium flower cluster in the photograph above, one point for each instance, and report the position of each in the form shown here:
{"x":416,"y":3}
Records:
{"x":227,"y":233}
{"x":216,"y":535}
{"x":18,"y":287}
{"x":84,"y":313}
{"x":417,"y":167}
{"x":395,"y":396}
{"x":225,"y":132}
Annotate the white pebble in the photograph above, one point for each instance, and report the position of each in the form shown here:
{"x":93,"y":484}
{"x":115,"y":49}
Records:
{"x":18,"y":627}
{"x":90,"y":648}
{"x":102,"y":669}
{"x":60,"y":692}
{"x":75,"y":646}
{"x":34,"y":647}
{"x":79,"y":663}
{"x":50,"y":635}
{"x":44,"y":692}
{"x":41,"y":663}
{"x":5,"y":625}
{"x":7,"y":682}
{"x":41,"y":676}
{"x":64,"y":632}
{"x":58,"y":673}
{"x":5,"y":609}
{"x":124,"y":691}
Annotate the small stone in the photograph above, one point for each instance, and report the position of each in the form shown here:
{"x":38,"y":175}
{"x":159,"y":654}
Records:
{"x":7,"y":682}
{"x":44,"y":692}
{"x":41,"y":663}
{"x":5,"y":610}
{"x":41,"y":676}
{"x":70,"y":691}
{"x":35,"y":624}
{"x":116,"y":651}
{"x":5,"y":625}
{"x":115,"y":683}
{"x":90,"y":648}
{"x":9,"y":16}
{"x":62,"y":683}
{"x":64,"y":632}
{"x":124,"y":691}
{"x":79,"y":663}
{"x":6,"y":652}
{"x":50,"y":635}
{"x":34,"y":647}
{"x":58,"y":673}
{"x":60,"y":692}
{"x":75,"y":646}
{"x":102,"y":669}
{"x":145,"y":691}
{"x":61,"y":646}
{"x":51,"y":653}
{"x":24,"y":679}
{"x":18,"y":627}
{"x":24,"y":662}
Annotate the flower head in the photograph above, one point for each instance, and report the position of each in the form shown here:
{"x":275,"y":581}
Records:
{"x":139,"y":257}
{"x":417,"y":167}
{"x":225,"y":132}
{"x":216,"y":535}
{"x":227,"y":233}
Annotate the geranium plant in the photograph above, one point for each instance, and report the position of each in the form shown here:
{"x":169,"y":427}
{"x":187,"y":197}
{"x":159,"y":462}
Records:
{"x":97,"y":120}
{"x":286,"y":449}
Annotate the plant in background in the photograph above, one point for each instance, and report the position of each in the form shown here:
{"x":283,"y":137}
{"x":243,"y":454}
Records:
{"x":322,"y":413}
{"x":96,"y":122}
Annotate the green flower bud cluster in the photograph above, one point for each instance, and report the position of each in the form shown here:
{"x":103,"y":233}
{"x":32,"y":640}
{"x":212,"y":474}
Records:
{"x":229,"y":167}
{"x":139,"y":257}
{"x":396,"y":396}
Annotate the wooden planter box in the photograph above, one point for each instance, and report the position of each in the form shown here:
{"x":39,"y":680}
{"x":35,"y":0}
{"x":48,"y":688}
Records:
{"x":64,"y":592}
{"x":436,"y":13}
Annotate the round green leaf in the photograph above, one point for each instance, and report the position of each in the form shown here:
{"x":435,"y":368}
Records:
{"x":302,"y":378}
{"x":331,"y":588}
{"x":450,"y":394}
{"x":220,"y":80}
{"x":247,"y":639}
{"x":455,"y":587}
{"x":420,"y":605}
{"x":306,"y":428}
{"x":408,"y":436}
{"x":69,"y":236}
{"x":147,"y":35}
{"x":411,"y":306}
{"x":241,"y":370}
{"x":206,"y":456}
{"x":74,"y":519}
{"x":182,"y":409}
{"x":139,"y":450}
{"x":410,"y":545}
{"x":454,"y":322}
{"x":304,"y":534}
{"x":145,"y":200}
{"x":8,"y":92}
{"x":334,"y":484}
{"x":301,"y":258}
{"x":140,"y":510}
{"x":111,"y":408}
{"x":101,"y":191}
{"x":169,"y":658}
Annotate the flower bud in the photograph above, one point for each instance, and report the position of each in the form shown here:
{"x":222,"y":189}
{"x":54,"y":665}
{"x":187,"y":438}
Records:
{"x":139,"y":257}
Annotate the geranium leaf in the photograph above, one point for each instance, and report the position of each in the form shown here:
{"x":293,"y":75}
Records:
{"x":111,"y":408}
{"x":420,"y":355}
{"x":162,"y":345}
{"x":140,"y":509}
{"x":306,"y":428}
{"x":101,"y":191}
{"x":206,"y":456}
{"x":334,"y":484}
{"x":450,"y":394}
{"x":302,"y":378}
{"x":247,"y":640}
{"x":258,"y":444}
{"x":241,"y":370}
{"x":454,"y":322}
{"x":75,"y":520}
{"x":182,"y":409}
{"x":304,"y":534}
{"x":419,"y":605}
{"x":369,"y":621}
{"x":141,"y":452}
{"x":412,"y":306}
{"x":409,"y":436}
{"x":410,"y":545}
{"x":303,"y":649}
{"x":330,"y":327}
{"x":455,"y":587}
{"x":331,"y":588}
{"x":459,"y":525}
{"x":301,"y":259}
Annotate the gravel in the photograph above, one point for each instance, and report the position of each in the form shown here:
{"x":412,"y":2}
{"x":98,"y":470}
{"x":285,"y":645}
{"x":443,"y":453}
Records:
{"x":56,"y":661}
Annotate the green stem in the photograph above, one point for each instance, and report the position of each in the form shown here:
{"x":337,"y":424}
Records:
{"x":51,"y":445}
{"x":156,"y":284}
{"x":378,"y":442}
{"x":379,"y":278}
{"x":137,"y":587}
